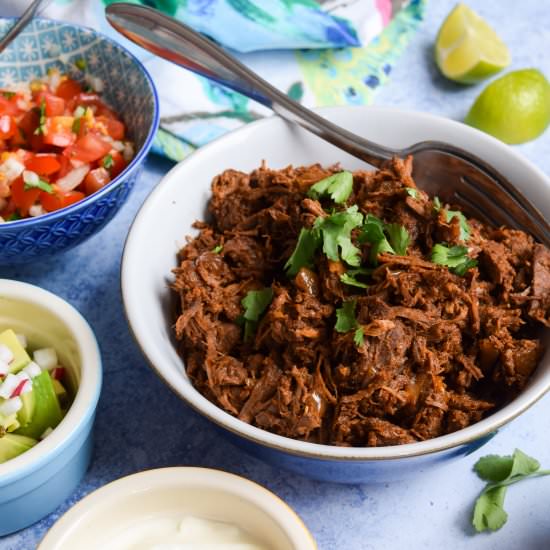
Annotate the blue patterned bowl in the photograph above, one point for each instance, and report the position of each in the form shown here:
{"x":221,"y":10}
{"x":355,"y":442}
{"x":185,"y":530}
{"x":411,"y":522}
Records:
{"x":129,"y":90}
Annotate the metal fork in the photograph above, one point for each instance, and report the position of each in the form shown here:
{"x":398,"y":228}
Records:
{"x":455,"y":175}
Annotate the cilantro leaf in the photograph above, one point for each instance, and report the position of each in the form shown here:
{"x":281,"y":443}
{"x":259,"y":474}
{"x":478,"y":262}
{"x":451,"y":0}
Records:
{"x":41,"y":128}
{"x":500,"y":472}
{"x":8,"y":94}
{"x":455,"y":258}
{"x":437,"y":204}
{"x":463,"y":222}
{"x":345,"y":317}
{"x":14,"y":216}
{"x":81,"y":64}
{"x":336,"y":232}
{"x":359,"y":337}
{"x":339,"y":186}
{"x":308,"y":242}
{"x":40,"y":184}
{"x":412,"y":192}
{"x":76,"y":125}
{"x":489,"y":513}
{"x":217,"y":249}
{"x":373,"y":232}
{"x":108,"y":161}
{"x":254,"y":303}
{"x":398,"y":237}
{"x":350,"y":277}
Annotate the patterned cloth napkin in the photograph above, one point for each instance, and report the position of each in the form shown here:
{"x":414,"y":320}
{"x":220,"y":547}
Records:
{"x":331,"y":52}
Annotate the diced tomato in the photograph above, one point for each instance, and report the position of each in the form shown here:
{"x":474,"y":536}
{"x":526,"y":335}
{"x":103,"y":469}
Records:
{"x":18,"y":139}
{"x":8,"y":106}
{"x":88,"y":148}
{"x":59,"y":131}
{"x":115,"y":128}
{"x":65,"y":167}
{"x":96,"y":179}
{"x":23,"y":199}
{"x":94,"y":101}
{"x":8,"y":127}
{"x":56,"y":201}
{"x":68,"y":89}
{"x":55,"y":106}
{"x":43,"y":164}
{"x":116,"y":162}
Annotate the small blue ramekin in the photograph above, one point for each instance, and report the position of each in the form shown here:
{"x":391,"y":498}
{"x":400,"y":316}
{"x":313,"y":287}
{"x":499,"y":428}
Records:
{"x":129,"y":90}
{"x":33,"y":484}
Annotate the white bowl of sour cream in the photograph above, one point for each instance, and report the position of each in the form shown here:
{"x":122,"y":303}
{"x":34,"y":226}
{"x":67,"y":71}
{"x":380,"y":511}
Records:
{"x":180,"y":509}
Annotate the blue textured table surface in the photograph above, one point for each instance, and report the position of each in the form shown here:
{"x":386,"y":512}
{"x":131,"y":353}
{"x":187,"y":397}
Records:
{"x":432,"y":511}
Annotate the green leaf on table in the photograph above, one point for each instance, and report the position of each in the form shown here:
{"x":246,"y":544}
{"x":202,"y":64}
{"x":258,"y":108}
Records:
{"x":339,"y":186}
{"x":489,"y":513}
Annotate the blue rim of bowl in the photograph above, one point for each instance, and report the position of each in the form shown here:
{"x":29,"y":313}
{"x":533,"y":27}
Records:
{"x":142,"y":153}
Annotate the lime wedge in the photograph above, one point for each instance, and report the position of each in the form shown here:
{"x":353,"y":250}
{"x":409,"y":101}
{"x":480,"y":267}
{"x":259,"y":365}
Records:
{"x":467,"y":49}
{"x":514,"y":108}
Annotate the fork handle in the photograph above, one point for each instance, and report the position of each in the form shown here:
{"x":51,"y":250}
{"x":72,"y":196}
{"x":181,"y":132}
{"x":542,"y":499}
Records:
{"x":180,"y":44}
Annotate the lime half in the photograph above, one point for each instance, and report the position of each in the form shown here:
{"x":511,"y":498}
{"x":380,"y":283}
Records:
{"x":514,"y":108}
{"x":467,"y":49}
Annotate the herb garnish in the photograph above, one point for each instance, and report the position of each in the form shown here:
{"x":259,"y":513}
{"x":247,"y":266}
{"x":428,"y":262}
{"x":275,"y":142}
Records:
{"x":8,"y":95}
{"x":14,"y":216}
{"x":308,"y":242}
{"x":255,"y":303}
{"x":336,"y":232}
{"x":350,"y":277}
{"x":39,"y":184}
{"x":217,"y":249}
{"x":455,"y":258}
{"x":450,"y":214}
{"x":41,"y":129}
{"x":108,"y":161}
{"x":499,"y":472}
{"x":412,"y":192}
{"x":76,"y":125}
{"x":398,"y":237}
{"x":339,"y":186}
{"x":346,"y":321}
{"x":375,"y":231}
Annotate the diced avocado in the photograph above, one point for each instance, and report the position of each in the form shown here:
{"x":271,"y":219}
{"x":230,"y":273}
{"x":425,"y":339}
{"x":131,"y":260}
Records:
{"x":26,"y":412}
{"x":9,"y":423}
{"x":47,"y":412}
{"x":20,"y":356}
{"x":60,"y":391}
{"x":12,"y":445}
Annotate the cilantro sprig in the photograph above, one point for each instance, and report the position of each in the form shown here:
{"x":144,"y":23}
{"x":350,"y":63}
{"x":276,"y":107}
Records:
{"x":308,"y":242}
{"x":346,"y":321}
{"x":465,"y":230}
{"x":350,"y":277}
{"x":499,"y":472}
{"x":390,"y":238}
{"x":254,"y":303}
{"x":41,"y":128}
{"x":339,"y":186}
{"x":455,"y":258}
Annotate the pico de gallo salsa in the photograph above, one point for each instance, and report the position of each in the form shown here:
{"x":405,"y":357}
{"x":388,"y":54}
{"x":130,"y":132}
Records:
{"x":59,"y":142}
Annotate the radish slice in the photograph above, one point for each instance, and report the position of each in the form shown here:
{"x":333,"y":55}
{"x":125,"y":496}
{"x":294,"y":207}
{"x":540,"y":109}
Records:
{"x":24,"y":386}
{"x":73,"y":179}
{"x":8,"y":385}
{"x":46,"y":358}
{"x":6,"y":355}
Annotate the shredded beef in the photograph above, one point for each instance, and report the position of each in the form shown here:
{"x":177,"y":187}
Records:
{"x":440,"y":351}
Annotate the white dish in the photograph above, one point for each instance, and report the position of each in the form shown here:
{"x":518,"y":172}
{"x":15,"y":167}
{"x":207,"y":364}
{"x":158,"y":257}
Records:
{"x":200,"y":492}
{"x":165,"y":219}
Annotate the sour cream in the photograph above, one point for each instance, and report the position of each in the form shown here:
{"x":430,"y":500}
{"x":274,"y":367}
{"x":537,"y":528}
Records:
{"x":189,"y":533}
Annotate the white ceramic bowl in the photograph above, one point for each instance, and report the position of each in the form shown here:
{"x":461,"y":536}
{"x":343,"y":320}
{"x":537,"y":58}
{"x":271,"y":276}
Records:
{"x":37,"y":481}
{"x":178,"y":492}
{"x":165,"y":219}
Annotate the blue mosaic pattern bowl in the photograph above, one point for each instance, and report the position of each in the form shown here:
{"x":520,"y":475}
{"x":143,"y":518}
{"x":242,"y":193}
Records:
{"x":128,"y":89}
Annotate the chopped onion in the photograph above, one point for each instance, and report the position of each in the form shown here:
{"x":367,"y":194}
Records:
{"x":8,"y":385}
{"x":46,"y":358}
{"x":30,"y":178}
{"x":79,"y":112}
{"x":6,"y":355}
{"x":118,"y":145}
{"x":4,"y":368}
{"x":36,"y":210}
{"x":11,"y":168}
{"x":73,"y":179}
{"x":22,"y":340}
{"x":128,"y":152}
{"x":2,"y":220}
{"x":32,"y":369}
{"x":95,"y":82}
{"x":11,"y":406}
